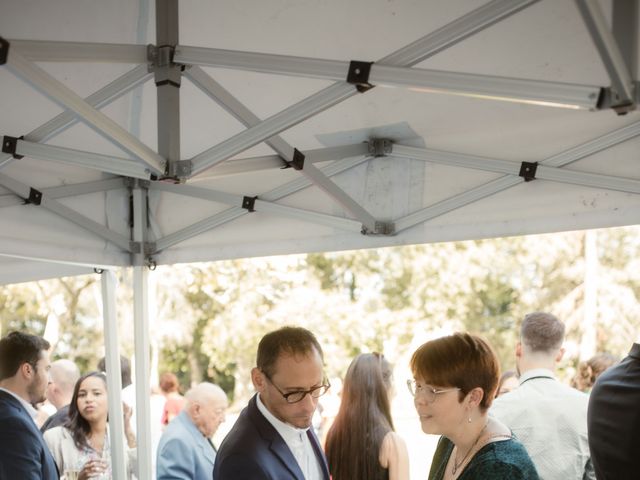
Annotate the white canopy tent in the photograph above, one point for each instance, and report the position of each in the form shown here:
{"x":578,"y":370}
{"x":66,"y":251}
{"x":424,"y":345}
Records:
{"x":245,"y":128}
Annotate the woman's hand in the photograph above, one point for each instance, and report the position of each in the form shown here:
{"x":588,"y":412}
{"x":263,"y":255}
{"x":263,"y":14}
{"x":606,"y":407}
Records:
{"x":127,"y":411}
{"x":92,"y":468}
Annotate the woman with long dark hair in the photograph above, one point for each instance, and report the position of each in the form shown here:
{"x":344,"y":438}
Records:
{"x":81,"y":446}
{"x":362,"y":443}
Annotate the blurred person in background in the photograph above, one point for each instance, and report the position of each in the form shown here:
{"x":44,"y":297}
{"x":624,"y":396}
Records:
{"x":173,"y":400}
{"x":454,"y":383}
{"x":589,"y":371}
{"x":508,"y":382}
{"x":63,"y":377}
{"x":547,"y":416}
{"x":82,"y":445}
{"x":362,"y":442}
{"x":185,"y":451}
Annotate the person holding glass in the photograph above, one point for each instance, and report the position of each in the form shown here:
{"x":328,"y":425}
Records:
{"x":81,"y":446}
{"x":455,"y":379}
{"x":272,"y":438}
{"x":362,"y":442}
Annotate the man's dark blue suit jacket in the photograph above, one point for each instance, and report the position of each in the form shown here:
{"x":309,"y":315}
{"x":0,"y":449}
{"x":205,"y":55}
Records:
{"x":254,"y":450}
{"x":23,"y":453}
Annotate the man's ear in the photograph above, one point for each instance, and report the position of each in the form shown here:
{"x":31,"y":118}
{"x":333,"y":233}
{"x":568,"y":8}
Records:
{"x":560,"y":354}
{"x":26,"y":370}
{"x":257,"y":377}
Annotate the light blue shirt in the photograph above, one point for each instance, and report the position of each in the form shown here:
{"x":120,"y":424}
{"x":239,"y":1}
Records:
{"x":550,"y":419}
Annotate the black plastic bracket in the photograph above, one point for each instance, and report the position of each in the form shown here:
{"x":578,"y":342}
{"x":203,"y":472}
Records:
{"x":10,"y":144}
{"x":297,"y":162}
{"x":35,"y":197}
{"x":249,"y":203}
{"x":528,"y":170}
{"x":358,"y":75}
{"x":4,"y":51}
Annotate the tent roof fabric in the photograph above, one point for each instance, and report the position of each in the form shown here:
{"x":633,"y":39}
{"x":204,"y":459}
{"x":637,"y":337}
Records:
{"x":465,"y":97}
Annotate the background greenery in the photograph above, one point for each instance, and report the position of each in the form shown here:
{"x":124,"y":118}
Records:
{"x":208,"y":318}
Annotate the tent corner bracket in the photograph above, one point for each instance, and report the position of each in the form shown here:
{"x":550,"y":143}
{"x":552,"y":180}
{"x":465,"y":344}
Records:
{"x":4,"y":51}
{"x":297,"y":162}
{"x":380,"y":147}
{"x":528,"y":171}
{"x":249,"y":203}
{"x":358,"y":75}
{"x":10,"y":145}
{"x":609,"y":98}
{"x":381,"y":229}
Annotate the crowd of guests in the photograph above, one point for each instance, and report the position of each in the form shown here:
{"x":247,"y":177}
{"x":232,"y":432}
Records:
{"x":524,"y":424}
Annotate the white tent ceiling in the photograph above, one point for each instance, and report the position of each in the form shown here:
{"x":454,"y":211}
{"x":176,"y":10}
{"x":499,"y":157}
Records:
{"x":468,"y":96}
{"x":450,"y":171}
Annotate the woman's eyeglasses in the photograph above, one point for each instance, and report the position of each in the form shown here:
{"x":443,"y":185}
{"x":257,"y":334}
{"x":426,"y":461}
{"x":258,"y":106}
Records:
{"x":430,"y":394}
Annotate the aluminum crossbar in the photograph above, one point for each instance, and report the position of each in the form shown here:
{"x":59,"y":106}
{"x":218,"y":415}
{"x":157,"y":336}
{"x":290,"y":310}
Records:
{"x":608,"y":49}
{"x":479,"y":86}
{"x":408,"y":56}
{"x":236,"y":212}
{"x":508,"y":181}
{"x":104,"y":163}
{"x":68,"y":191}
{"x":23,"y":191}
{"x":46,"y":51}
{"x":242,"y":113}
{"x":543,"y":172}
{"x":261,"y":206}
{"x":63,"y":96}
{"x":114,"y":90}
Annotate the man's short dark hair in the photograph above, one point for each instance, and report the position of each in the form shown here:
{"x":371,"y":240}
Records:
{"x":542,"y":332}
{"x":125,"y":369}
{"x":18,"y":348}
{"x":288,"y":340}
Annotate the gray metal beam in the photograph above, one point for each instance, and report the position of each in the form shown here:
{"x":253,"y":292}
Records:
{"x":491,"y":188}
{"x":99,"y":99}
{"x":63,"y":96}
{"x":408,"y":56}
{"x":621,"y":80}
{"x":167,"y":78}
{"x":23,"y":191}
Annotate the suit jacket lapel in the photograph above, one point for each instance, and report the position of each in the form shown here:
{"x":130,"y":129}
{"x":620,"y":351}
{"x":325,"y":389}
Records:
{"x":276,"y":443}
{"x":319,"y":453}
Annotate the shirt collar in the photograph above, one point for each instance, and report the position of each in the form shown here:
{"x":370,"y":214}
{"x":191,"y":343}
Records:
{"x":536,"y":372}
{"x":28,"y":407}
{"x":289,"y":433}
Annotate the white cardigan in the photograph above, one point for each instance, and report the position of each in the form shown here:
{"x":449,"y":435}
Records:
{"x":68,"y":457}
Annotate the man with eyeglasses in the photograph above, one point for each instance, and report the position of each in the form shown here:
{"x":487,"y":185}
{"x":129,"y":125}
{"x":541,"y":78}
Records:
{"x":24,"y":376}
{"x":272,"y":438}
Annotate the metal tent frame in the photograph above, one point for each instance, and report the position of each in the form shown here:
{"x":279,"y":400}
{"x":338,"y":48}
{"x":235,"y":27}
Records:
{"x":146,"y":170}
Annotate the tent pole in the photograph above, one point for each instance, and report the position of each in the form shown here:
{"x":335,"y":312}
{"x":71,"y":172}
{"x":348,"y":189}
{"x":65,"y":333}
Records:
{"x":114,"y":381}
{"x":141,"y":335}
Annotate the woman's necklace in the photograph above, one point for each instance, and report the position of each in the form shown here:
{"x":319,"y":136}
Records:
{"x":456,"y":464}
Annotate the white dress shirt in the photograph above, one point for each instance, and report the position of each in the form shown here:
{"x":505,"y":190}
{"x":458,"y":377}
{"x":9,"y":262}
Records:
{"x":298,"y":442}
{"x":33,"y":413}
{"x":550,"y":419}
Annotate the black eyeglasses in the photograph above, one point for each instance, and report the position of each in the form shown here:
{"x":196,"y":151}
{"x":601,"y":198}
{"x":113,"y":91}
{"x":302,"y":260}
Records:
{"x":298,"y":395}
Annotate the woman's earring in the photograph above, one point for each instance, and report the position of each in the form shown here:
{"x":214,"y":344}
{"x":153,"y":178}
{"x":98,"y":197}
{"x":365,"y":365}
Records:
{"x":469,"y":420}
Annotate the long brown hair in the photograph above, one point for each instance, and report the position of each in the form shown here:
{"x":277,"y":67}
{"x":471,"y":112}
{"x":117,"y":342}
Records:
{"x":77,"y":424}
{"x":363,"y":420}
